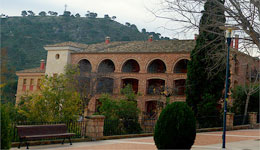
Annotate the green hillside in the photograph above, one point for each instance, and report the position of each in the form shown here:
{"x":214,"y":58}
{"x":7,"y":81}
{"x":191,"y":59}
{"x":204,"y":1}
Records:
{"x":24,"y":37}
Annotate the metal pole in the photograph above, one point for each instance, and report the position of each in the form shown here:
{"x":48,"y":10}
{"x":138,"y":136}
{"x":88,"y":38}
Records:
{"x":226,"y":95}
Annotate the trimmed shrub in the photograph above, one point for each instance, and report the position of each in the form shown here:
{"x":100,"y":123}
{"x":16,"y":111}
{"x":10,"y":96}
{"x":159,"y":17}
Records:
{"x":5,"y":129}
{"x":176,"y":127}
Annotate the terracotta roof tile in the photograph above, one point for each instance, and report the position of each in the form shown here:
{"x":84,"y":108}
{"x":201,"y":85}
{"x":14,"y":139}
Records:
{"x":142,"y":46}
{"x":72,"y":44}
{"x":133,"y":46}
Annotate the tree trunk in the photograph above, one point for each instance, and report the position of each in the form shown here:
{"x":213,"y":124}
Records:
{"x":246,"y":107}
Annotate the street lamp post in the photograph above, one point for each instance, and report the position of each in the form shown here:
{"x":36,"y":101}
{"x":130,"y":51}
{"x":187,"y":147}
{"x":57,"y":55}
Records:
{"x":229,"y":38}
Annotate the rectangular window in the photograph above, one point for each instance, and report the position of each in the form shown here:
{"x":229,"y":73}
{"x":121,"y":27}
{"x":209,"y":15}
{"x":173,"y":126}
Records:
{"x":24,"y":84}
{"x":38,"y":84}
{"x":31,"y":85}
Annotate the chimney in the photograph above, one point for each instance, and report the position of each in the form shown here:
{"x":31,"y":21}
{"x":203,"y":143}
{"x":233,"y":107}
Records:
{"x":195,"y":36}
{"x":107,"y":40}
{"x":236,"y":41}
{"x":150,"y":39}
{"x":42,"y":67}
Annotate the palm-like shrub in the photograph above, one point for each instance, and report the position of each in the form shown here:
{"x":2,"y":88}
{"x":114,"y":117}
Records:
{"x":176,"y":127}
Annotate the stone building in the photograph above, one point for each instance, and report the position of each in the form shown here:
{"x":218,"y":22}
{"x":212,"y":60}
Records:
{"x":149,"y":66}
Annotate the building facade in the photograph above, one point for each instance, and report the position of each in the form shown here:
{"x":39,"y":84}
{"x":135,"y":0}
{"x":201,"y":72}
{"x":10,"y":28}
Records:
{"x":154,"y":69}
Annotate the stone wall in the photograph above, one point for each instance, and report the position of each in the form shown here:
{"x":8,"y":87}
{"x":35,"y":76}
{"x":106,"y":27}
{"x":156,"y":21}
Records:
{"x":252,"y":118}
{"x":229,"y":121}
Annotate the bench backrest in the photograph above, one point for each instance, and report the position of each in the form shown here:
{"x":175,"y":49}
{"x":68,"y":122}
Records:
{"x":25,"y":130}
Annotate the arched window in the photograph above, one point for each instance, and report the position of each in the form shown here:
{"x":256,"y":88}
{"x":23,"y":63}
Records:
{"x":155,"y":86}
{"x":105,"y":85}
{"x":131,"y":66}
{"x":84,"y":66}
{"x":106,"y":66}
{"x":181,"y":66}
{"x":157,"y":66}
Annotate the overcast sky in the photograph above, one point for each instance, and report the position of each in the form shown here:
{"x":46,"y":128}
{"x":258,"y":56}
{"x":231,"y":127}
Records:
{"x":132,"y":11}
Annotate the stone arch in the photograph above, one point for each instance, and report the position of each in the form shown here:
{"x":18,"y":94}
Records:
{"x":156,"y":66}
{"x":106,"y":66}
{"x":84,"y":66}
{"x":181,"y":66}
{"x":130,"y":65}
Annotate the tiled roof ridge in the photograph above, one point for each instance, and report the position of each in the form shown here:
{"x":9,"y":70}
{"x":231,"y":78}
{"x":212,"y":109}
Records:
{"x":32,"y":70}
{"x":118,"y":43}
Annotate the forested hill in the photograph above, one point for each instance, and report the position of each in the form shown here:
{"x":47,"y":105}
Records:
{"x":24,"y":37}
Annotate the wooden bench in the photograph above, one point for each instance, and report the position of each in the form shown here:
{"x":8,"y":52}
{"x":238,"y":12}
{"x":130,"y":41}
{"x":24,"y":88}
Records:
{"x":36,"y":132}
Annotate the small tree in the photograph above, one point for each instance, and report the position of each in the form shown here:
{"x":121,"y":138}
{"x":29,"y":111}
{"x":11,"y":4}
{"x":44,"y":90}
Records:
{"x":176,"y":127}
{"x":77,"y":15}
{"x":113,"y":17}
{"x":55,"y":102}
{"x":30,"y":13}
{"x":240,"y":99}
{"x":52,"y":13}
{"x":128,"y":92}
{"x":24,"y":13}
{"x":127,"y":24}
{"x":91,"y":14}
{"x":42,"y":13}
{"x":106,"y":16}
{"x":123,"y":113}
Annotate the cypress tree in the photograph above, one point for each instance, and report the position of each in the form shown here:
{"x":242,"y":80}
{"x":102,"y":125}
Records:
{"x":204,"y":90}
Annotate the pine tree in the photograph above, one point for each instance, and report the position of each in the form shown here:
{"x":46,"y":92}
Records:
{"x":204,"y":90}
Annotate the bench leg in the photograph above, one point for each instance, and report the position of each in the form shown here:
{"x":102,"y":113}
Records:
{"x":70,"y":141}
{"x":27,"y":145}
{"x":63,"y":141}
{"x":20,"y":144}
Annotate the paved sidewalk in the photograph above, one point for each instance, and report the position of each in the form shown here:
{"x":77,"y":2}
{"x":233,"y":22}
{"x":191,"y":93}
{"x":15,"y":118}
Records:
{"x":236,"y":140}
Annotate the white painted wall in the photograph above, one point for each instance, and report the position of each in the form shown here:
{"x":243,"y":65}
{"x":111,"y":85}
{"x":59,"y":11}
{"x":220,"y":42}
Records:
{"x":56,"y":66}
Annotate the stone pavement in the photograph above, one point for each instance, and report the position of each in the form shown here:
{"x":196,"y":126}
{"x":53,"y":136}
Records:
{"x":236,"y":140}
